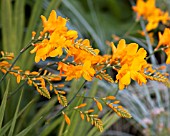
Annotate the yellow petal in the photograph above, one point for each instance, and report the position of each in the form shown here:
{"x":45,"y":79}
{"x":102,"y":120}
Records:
{"x":34,"y":50}
{"x":132,"y":48}
{"x":142,"y":53}
{"x":113,"y":47}
{"x":43,"y":51}
{"x":87,"y":76}
{"x":121,"y":86}
{"x":44,"y":20}
{"x":126,"y":79}
{"x":121,"y":45}
{"x":53,"y":16}
{"x":168,"y":60}
{"x":37,"y":59}
{"x":56,"y":52}
{"x":72,"y":34}
{"x":87,"y":64}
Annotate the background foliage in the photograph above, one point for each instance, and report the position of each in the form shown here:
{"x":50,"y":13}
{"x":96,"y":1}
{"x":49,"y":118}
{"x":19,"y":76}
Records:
{"x":24,"y":112}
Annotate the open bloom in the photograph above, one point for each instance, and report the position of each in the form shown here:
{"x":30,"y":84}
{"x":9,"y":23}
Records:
{"x":131,"y":62}
{"x":60,"y":38}
{"x":164,"y":38}
{"x":126,"y":73}
{"x":144,"y":8}
{"x":151,"y":13}
{"x":53,"y":23}
{"x":164,"y":41}
{"x":85,"y":70}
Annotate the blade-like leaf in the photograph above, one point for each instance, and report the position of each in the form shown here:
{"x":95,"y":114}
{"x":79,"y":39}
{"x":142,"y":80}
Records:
{"x":85,"y":24}
{"x":26,"y":130}
{"x":21,"y":122}
{"x":45,"y":109}
{"x":18,"y":18}
{"x":50,"y":127}
{"x":52,"y":5}
{"x":75,"y":119}
{"x":35,"y":16}
{"x":7,"y":125}
{"x":61,"y":129}
{"x":3,"y":105}
{"x":15,"y":116}
{"x":6,"y":22}
{"x":92,"y":92}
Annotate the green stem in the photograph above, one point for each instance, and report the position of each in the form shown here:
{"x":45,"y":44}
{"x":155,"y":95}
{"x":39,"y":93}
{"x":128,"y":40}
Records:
{"x":116,"y":92}
{"x":75,"y":95}
{"x":150,"y":49}
{"x":85,"y":97}
{"x":14,"y":92}
{"x":130,"y":29}
{"x":20,"y":53}
{"x":160,"y":49}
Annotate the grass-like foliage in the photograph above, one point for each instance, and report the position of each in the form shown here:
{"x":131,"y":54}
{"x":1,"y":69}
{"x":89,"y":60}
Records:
{"x":64,"y":87}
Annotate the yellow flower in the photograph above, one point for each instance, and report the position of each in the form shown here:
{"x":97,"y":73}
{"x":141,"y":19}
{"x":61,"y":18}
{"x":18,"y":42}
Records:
{"x":88,"y":71}
{"x":52,"y":23}
{"x":131,"y":62}
{"x":164,"y":38}
{"x":73,"y":72}
{"x":126,"y":73}
{"x":60,"y":38}
{"x":151,"y":13}
{"x":81,"y":55}
{"x":167,"y":51}
{"x":118,"y":52}
{"x":144,"y":8}
{"x":62,"y":67}
{"x":85,"y":70}
{"x":125,"y":53}
{"x":156,"y":17}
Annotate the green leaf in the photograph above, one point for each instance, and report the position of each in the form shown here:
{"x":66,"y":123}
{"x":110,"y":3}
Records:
{"x":6,"y":22}
{"x":53,"y":5}
{"x":7,"y":125}
{"x":74,"y":118}
{"x":21,"y":122}
{"x":85,"y":24}
{"x":3,"y":105}
{"x":18,"y":18}
{"x":26,"y":130}
{"x":61,"y":128}
{"x":50,"y":127}
{"x":34,"y":20}
{"x":84,"y":124}
{"x":35,"y":16}
{"x":15,"y":116}
{"x":45,"y":109}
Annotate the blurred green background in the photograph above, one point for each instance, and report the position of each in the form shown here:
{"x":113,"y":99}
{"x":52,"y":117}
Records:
{"x":97,"y":20}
